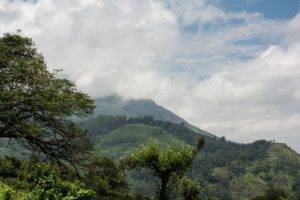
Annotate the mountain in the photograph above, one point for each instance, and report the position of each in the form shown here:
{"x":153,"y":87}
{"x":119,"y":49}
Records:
{"x":225,"y":169}
{"x":116,"y":105}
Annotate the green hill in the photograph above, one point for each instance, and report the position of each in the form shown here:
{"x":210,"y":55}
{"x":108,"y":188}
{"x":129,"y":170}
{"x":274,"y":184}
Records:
{"x":226,"y":170}
{"x":126,"y":138}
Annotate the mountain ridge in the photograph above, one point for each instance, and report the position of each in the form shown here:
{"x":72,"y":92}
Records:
{"x":227,"y":170}
{"x":117,"y":105}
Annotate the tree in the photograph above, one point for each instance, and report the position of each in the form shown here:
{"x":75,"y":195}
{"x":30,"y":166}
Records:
{"x":104,"y":176}
{"x":189,"y":189}
{"x":165,"y":162}
{"x":36,"y":107}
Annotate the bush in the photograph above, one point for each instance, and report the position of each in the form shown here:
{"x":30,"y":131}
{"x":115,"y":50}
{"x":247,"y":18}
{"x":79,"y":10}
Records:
{"x":7,"y":193}
{"x":47,"y":185}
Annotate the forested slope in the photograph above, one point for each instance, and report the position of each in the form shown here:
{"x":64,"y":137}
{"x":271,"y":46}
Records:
{"x":225,"y":169}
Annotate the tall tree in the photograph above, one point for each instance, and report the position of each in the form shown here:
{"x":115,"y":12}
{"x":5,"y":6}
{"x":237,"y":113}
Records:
{"x":36,"y":107}
{"x":163,"y":162}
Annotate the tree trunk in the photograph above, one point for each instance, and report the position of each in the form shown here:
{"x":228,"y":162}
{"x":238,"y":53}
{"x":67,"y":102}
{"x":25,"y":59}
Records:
{"x":163,"y":187}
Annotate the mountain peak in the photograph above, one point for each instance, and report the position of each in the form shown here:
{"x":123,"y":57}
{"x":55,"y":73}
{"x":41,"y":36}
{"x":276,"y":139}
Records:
{"x":117,"y":105}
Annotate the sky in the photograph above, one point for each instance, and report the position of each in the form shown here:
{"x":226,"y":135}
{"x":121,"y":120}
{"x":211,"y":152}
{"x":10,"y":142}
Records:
{"x":230,"y":67}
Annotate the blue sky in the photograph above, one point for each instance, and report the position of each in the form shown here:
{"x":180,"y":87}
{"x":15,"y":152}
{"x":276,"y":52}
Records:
{"x":230,"y":67}
{"x":274,"y":9}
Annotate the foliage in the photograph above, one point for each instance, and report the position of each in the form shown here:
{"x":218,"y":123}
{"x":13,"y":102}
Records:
{"x":273,"y":194}
{"x":47,"y":185}
{"x":43,"y":183}
{"x":36,"y":106}
{"x":247,"y":186}
{"x":105,"y":177}
{"x":189,"y":189}
{"x":123,"y":140}
{"x":164,"y":163}
{"x":8,"y":193}
{"x":101,"y":178}
{"x":218,"y":168}
{"x":9,"y":167}
{"x":5,"y":192}
{"x":296,"y":185}
{"x":103,"y":124}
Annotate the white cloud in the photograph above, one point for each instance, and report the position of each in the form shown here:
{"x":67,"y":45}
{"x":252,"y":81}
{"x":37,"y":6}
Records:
{"x":235,"y":74}
{"x":256,"y":100}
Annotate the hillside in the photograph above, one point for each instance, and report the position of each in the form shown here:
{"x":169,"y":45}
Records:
{"x":126,"y":138}
{"x":226,"y":170}
{"x":116,"y":105}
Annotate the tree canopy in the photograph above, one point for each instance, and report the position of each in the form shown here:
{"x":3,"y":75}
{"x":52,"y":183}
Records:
{"x":164,"y":162}
{"x":36,"y":106}
{"x":189,"y":189}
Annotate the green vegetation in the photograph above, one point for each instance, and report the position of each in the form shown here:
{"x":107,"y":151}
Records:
{"x":224,"y":169}
{"x":33,"y":180}
{"x":37,"y":109}
{"x":163,"y":162}
{"x":36,"y":106}
{"x":8,"y":193}
{"x":189,"y":189}
{"x":47,"y":185}
{"x":123,"y":140}
{"x":274,"y":194}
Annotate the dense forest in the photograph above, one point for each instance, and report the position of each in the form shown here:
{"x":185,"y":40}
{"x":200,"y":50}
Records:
{"x":49,"y":152}
{"x":224,"y":169}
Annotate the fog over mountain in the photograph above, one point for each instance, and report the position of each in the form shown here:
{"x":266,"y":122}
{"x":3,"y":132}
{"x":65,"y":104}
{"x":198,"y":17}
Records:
{"x":231,"y":70}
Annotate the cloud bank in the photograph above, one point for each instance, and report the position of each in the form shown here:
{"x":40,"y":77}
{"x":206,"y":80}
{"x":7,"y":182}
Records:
{"x":232,"y":73}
